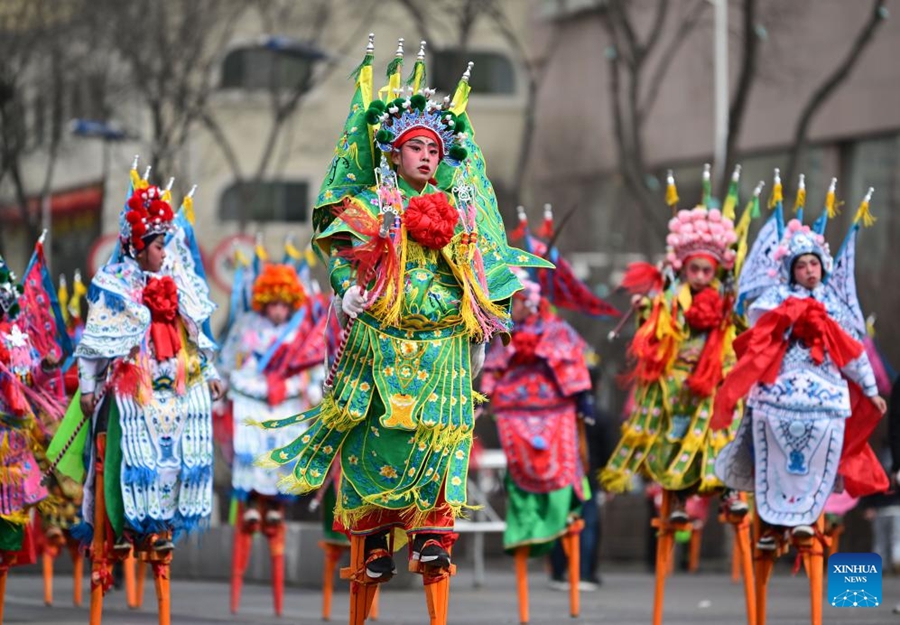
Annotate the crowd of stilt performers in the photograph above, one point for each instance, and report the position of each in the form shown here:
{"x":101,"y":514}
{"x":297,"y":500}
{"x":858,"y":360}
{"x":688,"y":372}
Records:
{"x":750,"y":379}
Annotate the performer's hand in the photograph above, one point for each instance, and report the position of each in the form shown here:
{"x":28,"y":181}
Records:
{"x":216,"y":389}
{"x":50,"y":362}
{"x":879,"y":403}
{"x":637,"y":300}
{"x":476,"y":358}
{"x":88,"y":403}
{"x":354,"y":301}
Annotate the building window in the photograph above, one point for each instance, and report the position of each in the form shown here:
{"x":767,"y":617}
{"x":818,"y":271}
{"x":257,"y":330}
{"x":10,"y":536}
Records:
{"x":265,"y":201}
{"x":256,"y":68}
{"x":492,"y":74}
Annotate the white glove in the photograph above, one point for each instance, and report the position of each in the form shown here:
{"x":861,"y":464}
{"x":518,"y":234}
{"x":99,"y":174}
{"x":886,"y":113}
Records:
{"x":476,"y":358}
{"x":314,"y":393}
{"x":354,"y":301}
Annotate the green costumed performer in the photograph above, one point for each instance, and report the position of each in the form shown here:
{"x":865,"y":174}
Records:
{"x":419,"y":261}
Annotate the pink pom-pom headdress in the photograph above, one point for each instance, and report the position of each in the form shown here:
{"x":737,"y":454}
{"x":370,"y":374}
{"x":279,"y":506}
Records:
{"x":700,"y":232}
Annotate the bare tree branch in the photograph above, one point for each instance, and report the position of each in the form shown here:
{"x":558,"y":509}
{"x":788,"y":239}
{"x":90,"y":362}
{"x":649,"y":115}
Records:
{"x":821,"y":95}
{"x":690,"y":21}
{"x":746,"y":79}
{"x":418,"y":16}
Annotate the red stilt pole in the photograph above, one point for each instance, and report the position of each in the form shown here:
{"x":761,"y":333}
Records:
{"x":276,"y":549}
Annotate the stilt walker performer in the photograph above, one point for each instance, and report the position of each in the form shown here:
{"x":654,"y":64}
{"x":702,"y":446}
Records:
{"x":812,"y":399}
{"x":538,"y":386}
{"x":682,"y":350}
{"x":274,"y":354}
{"x":147,"y":381}
{"x":419,"y":259}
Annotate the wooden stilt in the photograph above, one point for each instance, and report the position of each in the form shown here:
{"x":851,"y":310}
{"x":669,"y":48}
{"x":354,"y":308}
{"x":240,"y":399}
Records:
{"x":128,"y":566}
{"x":815,"y":571}
{"x":47,"y":562}
{"x":240,"y":557}
{"x":522,"y":581}
{"x":437,"y":590}
{"x":736,"y":563}
{"x":835,"y":535}
{"x":99,"y":566}
{"x":332,"y":556}
{"x":572,"y":547}
{"x":4,"y":572}
{"x":745,"y":557}
{"x":764,"y":563}
{"x":161,"y":572}
{"x":77,"y":576}
{"x":694,"y":553}
{"x":141,"y":576}
{"x":276,"y":551}
{"x":664,"y":543}
{"x":437,"y":596}
{"x":362,"y":592}
{"x":373,"y":610}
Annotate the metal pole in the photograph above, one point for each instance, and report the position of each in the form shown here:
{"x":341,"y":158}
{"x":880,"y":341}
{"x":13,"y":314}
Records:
{"x":720,"y":61}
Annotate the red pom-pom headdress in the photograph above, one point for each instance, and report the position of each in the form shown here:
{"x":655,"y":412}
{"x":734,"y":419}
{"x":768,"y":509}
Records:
{"x":278,"y":283}
{"x":147,"y":215}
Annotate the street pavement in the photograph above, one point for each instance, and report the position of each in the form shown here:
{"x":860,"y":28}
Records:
{"x":623,"y":599}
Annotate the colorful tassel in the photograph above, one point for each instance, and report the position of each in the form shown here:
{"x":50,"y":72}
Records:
{"x":830,"y":204}
{"x":731,"y":199}
{"x":671,"y":190}
{"x":800,"y":201}
{"x":863,"y":214}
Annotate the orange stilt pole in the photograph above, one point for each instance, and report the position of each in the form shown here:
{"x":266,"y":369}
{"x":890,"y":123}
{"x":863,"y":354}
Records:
{"x":373,"y":610}
{"x":78,"y":576}
{"x":664,"y":543}
{"x":276,"y":549}
{"x":745,"y":558}
{"x":694,"y":555}
{"x":47,"y":561}
{"x":141,"y":576}
{"x":99,"y":566}
{"x":572,"y":547}
{"x":332,"y":555}
{"x":128,"y":566}
{"x":437,"y":596}
{"x":736,"y":560}
{"x":815,"y":571}
{"x":835,"y":535}
{"x":522,"y":581}
{"x":161,"y":579}
{"x":361,"y":594}
{"x":764,"y":563}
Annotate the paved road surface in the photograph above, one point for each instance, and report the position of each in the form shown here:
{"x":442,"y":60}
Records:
{"x":624,"y":599}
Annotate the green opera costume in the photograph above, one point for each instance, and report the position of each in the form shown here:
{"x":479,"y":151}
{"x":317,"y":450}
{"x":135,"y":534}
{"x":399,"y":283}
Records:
{"x":400,"y":414}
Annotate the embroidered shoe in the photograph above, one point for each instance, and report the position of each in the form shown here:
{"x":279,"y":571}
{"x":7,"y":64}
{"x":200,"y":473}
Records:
{"x":379,"y":562}
{"x":767,"y":543}
{"x":274,"y":517}
{"x":678,"y":516}
{"x":734,"y":504}
{"x":803,"y":531}
{"x":163,"y":545}
{"x":122,"y":546}
{"x":428,"y":550}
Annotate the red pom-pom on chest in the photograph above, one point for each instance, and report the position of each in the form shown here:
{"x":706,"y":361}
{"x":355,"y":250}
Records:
{"x":430,"y":220}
